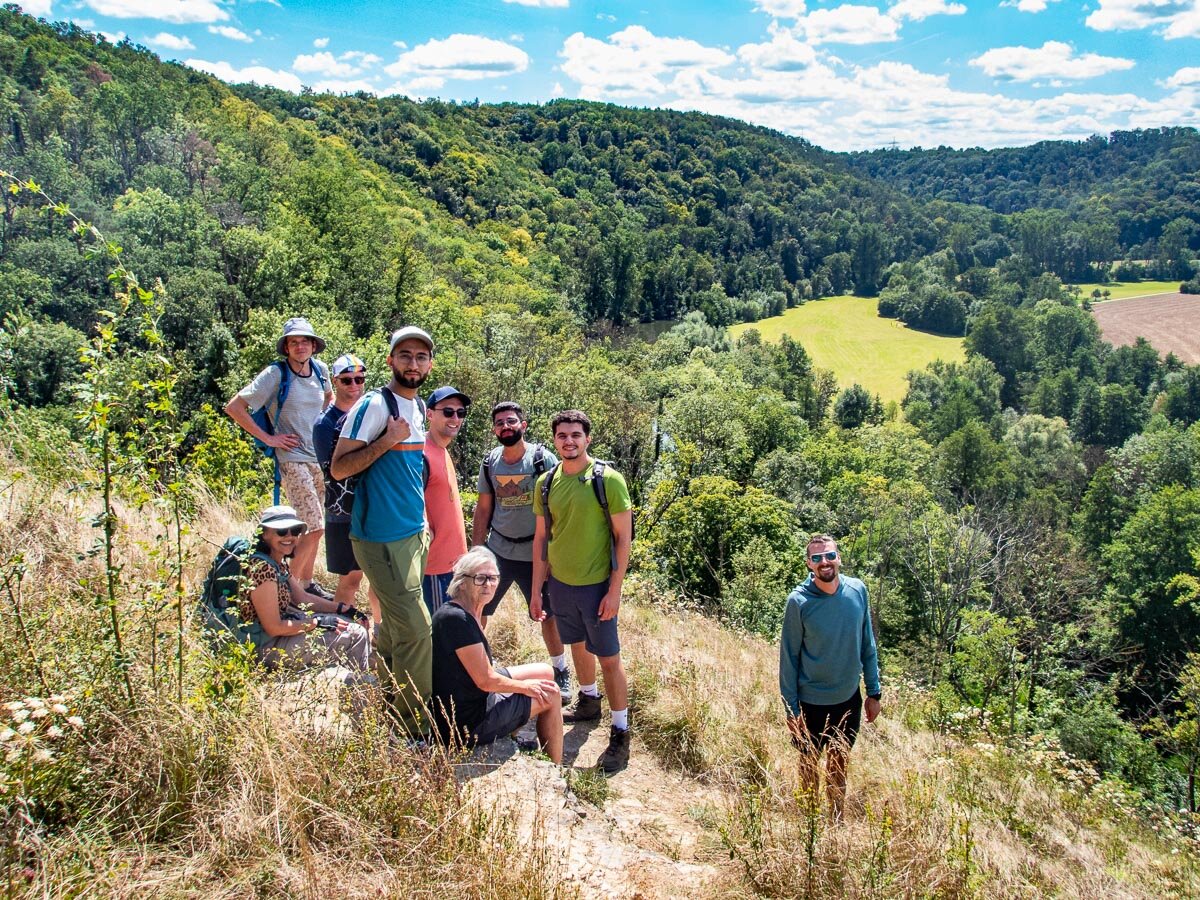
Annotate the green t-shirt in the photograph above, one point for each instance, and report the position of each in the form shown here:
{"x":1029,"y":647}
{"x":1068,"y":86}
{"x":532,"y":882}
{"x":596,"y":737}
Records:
{"x":580,"y":549}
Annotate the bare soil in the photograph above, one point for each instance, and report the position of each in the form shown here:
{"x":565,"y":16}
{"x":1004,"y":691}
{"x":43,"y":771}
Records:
{"x":1170,"y":322}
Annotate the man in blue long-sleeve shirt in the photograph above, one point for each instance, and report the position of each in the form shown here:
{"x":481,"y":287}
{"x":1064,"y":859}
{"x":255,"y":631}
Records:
{"x":826,"y":647}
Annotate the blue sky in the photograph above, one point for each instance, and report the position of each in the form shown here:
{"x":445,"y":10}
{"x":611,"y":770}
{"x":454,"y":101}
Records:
{"x":846,"y":76}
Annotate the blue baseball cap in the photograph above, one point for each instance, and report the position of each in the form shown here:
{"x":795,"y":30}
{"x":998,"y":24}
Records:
{"x":445,"y":393}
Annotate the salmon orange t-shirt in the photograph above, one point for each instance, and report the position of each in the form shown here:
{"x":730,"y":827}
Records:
{"x":443,"y":509}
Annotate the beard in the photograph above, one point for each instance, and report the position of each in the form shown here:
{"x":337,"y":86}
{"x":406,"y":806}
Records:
{"x":827,"y":579}
{"x":406,"y":382}
{"x":511,"y":439}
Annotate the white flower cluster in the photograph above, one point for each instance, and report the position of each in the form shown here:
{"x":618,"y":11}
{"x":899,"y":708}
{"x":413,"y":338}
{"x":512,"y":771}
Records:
{"x":29,"y":729}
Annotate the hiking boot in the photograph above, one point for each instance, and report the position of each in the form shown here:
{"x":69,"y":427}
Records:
{"x":562,"y":677}
{"x":318,"y":590}
{"x":584,"y":709}
{"x":616,"y":757}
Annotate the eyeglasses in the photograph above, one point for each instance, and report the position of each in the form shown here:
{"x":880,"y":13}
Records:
{"x":481,"y":580}
{"x":827,"y":556}
{"x":352,"y":379}
{"x":408,"y":358}
{"x":506,"y":423}
{"x":294,"y":531}
{"x":451,"y":412}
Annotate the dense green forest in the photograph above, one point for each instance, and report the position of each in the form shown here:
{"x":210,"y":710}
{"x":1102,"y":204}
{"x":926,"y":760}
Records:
{"x":1028,"y":522}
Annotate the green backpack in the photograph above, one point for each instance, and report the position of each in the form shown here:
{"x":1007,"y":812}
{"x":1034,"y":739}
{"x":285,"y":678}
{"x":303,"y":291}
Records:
{"x":217,"y":610}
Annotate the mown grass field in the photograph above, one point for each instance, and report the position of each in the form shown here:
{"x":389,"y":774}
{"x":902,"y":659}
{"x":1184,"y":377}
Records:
{"x":1120,"y":290}
{"x":847,"y":334}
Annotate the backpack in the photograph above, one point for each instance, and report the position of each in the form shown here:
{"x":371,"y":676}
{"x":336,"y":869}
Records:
{"x":217,"y":609}
{"x":393,"y":409}
{"x":262,"y":417}
{"x":601,"y":497}
{"x":539,"y":466}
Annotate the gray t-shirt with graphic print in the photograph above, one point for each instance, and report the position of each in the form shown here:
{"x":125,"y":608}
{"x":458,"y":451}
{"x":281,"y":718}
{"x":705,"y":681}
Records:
{"x":304,"y":404}
{"x":512,"y":510}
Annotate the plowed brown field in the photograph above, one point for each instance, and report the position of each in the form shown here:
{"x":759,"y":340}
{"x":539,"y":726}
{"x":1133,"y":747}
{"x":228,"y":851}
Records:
{"x":1170,"y":322}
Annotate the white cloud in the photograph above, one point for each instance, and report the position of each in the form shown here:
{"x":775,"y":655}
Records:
{"x":1053,"y":60}
{"x":257,"y":74}
{"x":781,"y":9}
{"x":1170,"y":18}
{"x":848,"y":24}
{"x":179,"y":12}
{"x":338,"y":86}
{"x":557,"y":90}
{"x":544,"y":4}
{"x":350,"y":63}
{"x":782,"y":54}
{"x":923,"y":9}
{"x":467,"y":57}
{"x":321,"y":43}
{"x":228,"y":31}
{"x":606,"y":17}
{"x":169,"y":41}
{"x":633,"y":61}
{"x":38,"y":8}
{"x":1185,"y":76}
{"x":113,"y":37}
{"x":1029,"y":6}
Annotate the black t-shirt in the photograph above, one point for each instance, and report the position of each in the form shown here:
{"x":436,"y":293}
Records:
{"x":455,"y":694}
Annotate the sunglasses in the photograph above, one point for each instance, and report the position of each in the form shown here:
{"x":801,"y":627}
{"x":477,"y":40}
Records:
{"x":827,"y":556}
{"x":294,"y":531}
{"x":352,"y":379}
{"x":452,"y":413}
{"x":481,"y":580}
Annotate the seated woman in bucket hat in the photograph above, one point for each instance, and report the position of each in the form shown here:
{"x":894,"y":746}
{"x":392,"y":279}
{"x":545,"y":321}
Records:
{"x":308,"y":392}
{"x":288,"y":626}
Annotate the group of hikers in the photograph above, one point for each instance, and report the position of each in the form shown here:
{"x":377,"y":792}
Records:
{"x":372,"y":472}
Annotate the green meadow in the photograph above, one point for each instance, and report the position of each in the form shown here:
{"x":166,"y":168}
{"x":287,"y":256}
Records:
{"x":1123,"y":290}
{"x":847,"y":335}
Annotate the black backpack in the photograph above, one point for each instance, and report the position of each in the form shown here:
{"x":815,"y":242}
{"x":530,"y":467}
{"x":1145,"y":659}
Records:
{"x":539,"y":466}
{"x":217,"y":609}
{"x":601,"y":497}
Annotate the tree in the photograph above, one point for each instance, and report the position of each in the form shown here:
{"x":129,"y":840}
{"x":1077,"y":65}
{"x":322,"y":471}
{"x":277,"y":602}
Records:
{"x":853,"y":407}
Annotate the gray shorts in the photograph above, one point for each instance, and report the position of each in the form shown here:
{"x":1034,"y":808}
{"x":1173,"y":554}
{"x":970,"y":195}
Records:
{"x":577,"y":610}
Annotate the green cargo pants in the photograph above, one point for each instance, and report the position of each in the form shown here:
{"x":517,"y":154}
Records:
{"x":404,"y":642}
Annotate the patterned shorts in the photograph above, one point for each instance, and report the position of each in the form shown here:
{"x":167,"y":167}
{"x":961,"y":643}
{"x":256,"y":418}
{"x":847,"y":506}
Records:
{"x":304,"y":488}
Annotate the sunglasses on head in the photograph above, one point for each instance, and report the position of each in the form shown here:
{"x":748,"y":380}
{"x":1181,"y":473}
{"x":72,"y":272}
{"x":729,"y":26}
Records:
{"x":294,"y":531}
{"x":451,"y":413}
{"x":827,"y":556}
{"x":352,"y":379}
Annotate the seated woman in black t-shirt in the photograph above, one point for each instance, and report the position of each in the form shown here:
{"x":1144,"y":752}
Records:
{"x":475,"y":702}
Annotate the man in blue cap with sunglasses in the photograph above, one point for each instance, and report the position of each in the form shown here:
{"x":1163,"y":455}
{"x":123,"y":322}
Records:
{"x":826,"y":648}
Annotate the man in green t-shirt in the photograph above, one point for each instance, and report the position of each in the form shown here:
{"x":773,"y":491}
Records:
{"x":582,"y":551}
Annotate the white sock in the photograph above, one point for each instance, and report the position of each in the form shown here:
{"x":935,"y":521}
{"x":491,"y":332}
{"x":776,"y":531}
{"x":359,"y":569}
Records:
{"x":560,"y":661}
{"x":589,"y":690}
{"x":620,"y":719}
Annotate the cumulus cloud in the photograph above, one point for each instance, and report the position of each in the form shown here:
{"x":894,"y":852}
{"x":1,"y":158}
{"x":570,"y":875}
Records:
{"x":1053,"y":60}
{"x":178,"y":12}
{"x":1185,"y":76}
{"x":545,"y":4}
{"x":782,"y":9}
{"x":467,"y":57}
{"x":633,"y":61}
{"x":113,"y":37}
{"x":321,"y":43}
{"x":228,"y":31}
{"x":1029,"y":6}
{"x":1170,"y":18}
{"x":923,"y":9}
{"x":37,"y":8}
{"x":257,"y":74}
{"x":848,"y":24}
{"x":783,"y":53}
{"x":341,"y":86}
{"x":352,"y":62}
{"x":169,"y":41}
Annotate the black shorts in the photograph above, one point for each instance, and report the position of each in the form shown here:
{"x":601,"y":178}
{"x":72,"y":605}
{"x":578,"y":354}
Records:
{"x":505,"y":714}
{"x":520,"y":573}
{"x":577,"y":609}
{"x":826,"y":724}
{"x":339,"y":555}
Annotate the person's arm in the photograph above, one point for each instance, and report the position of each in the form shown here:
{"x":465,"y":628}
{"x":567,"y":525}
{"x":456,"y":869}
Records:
{"x":323,"y":441}
{"x":238,"y":409}
{"x":351,"y":457}
{"x":483,"y":512}
{"x":474,"y":659}
{"x":870,"y":663}
{"x":622,"y":526}
{"x":265,"y":599}
{"x":541,"y":568}
{"x":790,"y":641}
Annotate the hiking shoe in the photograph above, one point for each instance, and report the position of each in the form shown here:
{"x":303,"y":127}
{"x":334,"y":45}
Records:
{"x":562,"y":677}
{"x":584,"y":709}
{"x":318,"y":590}
{"x":616,"y":757}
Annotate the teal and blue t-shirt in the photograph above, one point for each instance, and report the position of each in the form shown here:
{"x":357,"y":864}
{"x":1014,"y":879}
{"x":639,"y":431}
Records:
{"x":389,"y":500}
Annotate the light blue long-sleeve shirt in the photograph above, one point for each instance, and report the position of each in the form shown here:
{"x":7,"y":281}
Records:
{"x":827,"y":645}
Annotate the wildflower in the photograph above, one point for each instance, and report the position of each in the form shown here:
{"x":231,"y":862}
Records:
{"x":60,"y":708}
{"x":35,"y":702}
{"x":14,"y":705}
{"x":43,"y":755}
{"x":59,"y":698}
{"x":7,"y":735}
{"x":75,"y":721}
{"x":54,"y":731}
{"x":25,"y":727}
{"x":40,"y":713}
{"x":20,"y":715}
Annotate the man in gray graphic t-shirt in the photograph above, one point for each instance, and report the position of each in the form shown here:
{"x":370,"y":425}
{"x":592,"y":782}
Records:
{"x":504,"y":519}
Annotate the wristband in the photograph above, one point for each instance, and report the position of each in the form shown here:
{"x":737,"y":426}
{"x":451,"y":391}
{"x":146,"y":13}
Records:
{"x":340,"y":607}
{"x":875,"y":696}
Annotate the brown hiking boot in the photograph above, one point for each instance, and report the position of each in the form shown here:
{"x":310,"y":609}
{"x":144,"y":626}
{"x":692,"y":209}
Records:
{"x":584,"y":709}
{"x":616,"y":757}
